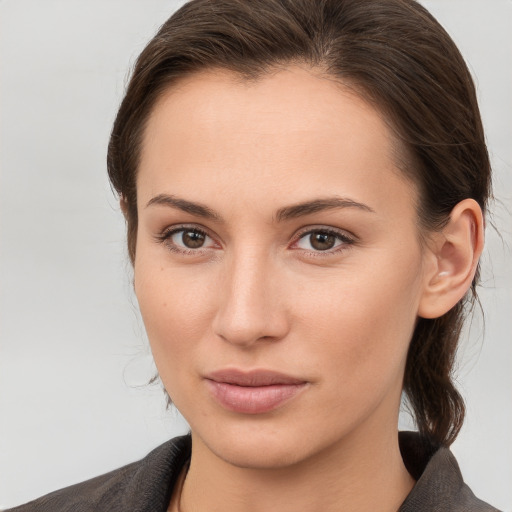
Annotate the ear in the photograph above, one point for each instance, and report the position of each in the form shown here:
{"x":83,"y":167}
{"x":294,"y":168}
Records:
{"x":452,"y":259}
{"x":124,"y":206}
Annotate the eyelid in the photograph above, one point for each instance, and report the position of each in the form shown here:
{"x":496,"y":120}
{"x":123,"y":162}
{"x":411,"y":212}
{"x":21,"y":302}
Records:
{"x":165,"y":235}
{"x":346,"y":238}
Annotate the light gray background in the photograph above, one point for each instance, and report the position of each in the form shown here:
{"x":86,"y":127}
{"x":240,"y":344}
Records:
{"x":73,"y":355}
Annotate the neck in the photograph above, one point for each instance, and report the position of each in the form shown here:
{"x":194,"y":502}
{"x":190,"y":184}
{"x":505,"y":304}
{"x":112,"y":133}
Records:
{"x":359,"y":474}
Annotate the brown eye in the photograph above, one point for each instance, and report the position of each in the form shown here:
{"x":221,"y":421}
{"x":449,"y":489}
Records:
{"x":322,"y":241}
{"x":192,"y":239}
{"x":187,"y":239}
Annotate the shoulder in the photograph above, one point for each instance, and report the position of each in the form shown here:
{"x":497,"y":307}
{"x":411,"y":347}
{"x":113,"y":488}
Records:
{"x":439,"y":483}
{"x":145,"y":485}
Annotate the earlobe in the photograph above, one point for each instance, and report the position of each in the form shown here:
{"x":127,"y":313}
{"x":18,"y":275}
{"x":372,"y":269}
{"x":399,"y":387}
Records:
{"x":454,"y":255}
{"x":124,"y":206}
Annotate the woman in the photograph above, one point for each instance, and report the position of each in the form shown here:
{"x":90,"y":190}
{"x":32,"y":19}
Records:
{"x":304,"y":186}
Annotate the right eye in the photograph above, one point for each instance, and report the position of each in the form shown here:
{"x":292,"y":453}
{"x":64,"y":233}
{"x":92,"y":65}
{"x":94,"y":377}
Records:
{"x":186,"y":240}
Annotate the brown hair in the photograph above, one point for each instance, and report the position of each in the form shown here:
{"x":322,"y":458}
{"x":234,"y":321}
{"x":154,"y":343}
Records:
{"x":398,"y":57}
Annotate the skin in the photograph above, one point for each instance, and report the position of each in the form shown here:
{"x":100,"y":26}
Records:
{"x":257,"y":294}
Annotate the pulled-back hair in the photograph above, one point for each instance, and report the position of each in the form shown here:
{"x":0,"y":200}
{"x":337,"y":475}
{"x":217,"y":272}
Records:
{"x":398,"y":57}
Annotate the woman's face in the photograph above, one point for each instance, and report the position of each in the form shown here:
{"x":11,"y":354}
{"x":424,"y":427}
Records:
{"x":278,"y":266}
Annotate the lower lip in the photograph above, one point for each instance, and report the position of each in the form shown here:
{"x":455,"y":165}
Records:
{"x":253,"y":399}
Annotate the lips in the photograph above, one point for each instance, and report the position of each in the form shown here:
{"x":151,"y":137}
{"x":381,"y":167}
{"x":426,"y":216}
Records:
{"x":253,"y":392}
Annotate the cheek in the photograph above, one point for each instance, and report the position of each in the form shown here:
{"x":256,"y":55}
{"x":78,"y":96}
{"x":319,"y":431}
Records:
{"x":176,"y":308}
{"x":359,"y":322}
{"x":349,"y":325}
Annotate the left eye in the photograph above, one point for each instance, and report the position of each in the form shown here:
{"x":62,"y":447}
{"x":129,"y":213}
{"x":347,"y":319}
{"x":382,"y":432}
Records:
{"x":322,"y":240}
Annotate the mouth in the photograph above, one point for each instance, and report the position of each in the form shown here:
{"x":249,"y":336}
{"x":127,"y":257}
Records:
{"x":253,"y":392}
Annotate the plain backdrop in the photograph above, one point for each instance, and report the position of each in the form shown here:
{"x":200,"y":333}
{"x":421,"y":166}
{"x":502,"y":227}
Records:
{"x":74,"y":359}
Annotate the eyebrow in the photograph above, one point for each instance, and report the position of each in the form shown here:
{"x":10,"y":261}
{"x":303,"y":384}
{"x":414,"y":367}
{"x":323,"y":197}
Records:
{"x":197,"y":209}
{"x":317,"y":205}
{"x":285,"y":213}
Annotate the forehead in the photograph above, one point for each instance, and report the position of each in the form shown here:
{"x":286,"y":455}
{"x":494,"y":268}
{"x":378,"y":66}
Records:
{"x":293,"y":131}
{"x":285,"y":101}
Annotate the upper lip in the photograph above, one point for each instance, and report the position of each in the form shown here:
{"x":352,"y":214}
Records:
{"x":254,"y":378}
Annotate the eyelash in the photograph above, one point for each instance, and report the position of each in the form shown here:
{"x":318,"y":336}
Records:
{"x":346,"y":241}
{"x":165,"y":236}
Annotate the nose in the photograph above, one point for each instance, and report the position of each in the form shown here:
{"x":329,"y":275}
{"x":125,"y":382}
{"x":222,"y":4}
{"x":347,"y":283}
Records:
{"x":251,"y":301}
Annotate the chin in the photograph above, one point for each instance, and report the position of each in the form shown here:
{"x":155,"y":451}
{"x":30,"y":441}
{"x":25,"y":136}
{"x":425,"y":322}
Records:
{"x":259,"y":444}
{"x":258,"y":453}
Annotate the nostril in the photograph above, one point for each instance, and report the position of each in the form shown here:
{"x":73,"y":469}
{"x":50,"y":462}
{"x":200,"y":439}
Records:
{"x":249,"y":301}
{"x":244,"y":328}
